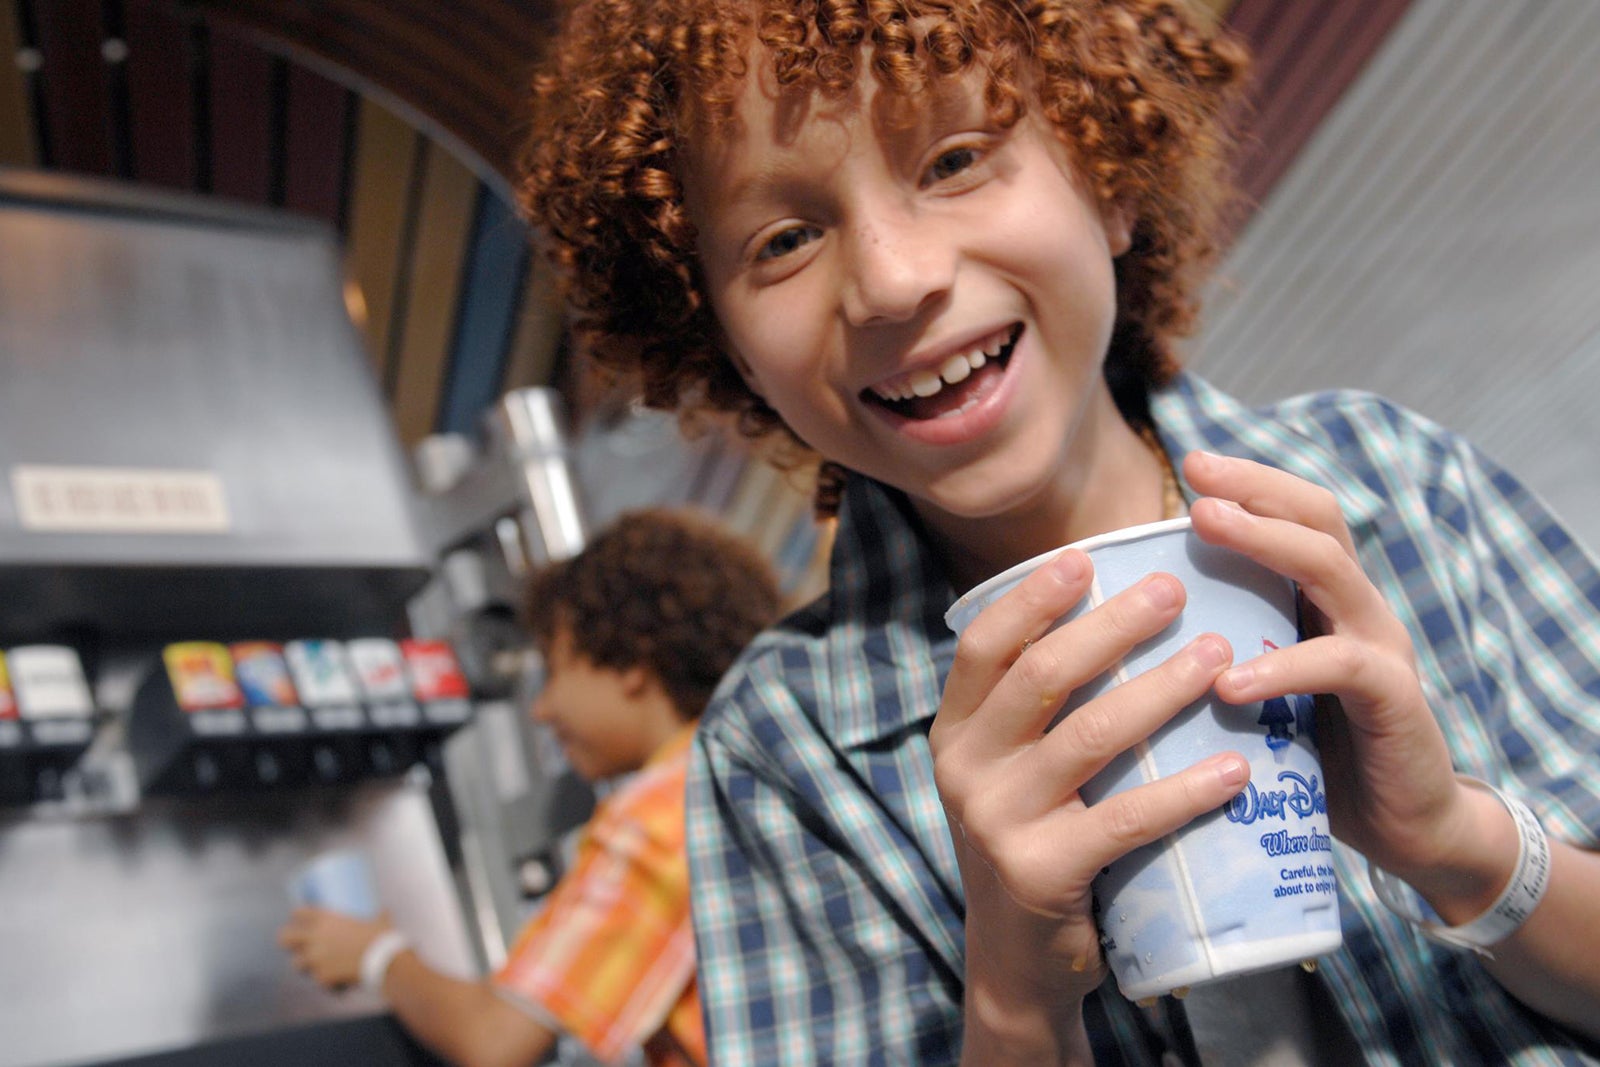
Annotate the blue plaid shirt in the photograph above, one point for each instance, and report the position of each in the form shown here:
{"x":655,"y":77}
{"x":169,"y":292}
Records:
{"x":827,"y":904}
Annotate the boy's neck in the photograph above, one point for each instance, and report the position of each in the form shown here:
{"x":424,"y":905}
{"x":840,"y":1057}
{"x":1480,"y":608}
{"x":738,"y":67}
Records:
{"x":1121,"y":483}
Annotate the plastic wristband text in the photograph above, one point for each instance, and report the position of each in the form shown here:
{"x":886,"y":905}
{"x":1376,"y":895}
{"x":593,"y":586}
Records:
{"x":379,"y":954}
{"x":1510,"y":909}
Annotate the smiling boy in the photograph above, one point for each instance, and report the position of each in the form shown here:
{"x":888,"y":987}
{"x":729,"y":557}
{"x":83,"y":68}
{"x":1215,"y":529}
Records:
{"x":948,"y":248}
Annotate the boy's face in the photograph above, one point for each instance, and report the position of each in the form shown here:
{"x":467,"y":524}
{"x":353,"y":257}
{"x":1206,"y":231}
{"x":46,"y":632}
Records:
{"x":594,"y":712}
{"x":928,"y":303}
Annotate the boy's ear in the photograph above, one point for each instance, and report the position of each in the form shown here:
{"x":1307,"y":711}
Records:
{"x":636,"y":679}
{"x":1118,"y":222}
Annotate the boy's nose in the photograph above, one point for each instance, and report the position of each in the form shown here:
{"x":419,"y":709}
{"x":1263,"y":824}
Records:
{"x":897,"y":267}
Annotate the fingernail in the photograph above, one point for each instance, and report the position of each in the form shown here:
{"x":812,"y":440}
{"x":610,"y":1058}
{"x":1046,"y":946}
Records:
{"x":1070,"y":564}
{"x":1240,"y":677}
{"x":1210,"y":652}
{"x":1232,"y":772}
{"x":1162,"y":591}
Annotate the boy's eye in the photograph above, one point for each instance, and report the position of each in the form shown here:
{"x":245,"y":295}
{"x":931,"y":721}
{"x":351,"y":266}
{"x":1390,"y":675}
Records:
{"x":951,"y":163}
{"x":788,"y":241}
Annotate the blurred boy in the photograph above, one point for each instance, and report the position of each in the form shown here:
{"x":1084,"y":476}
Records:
{"x":635,"y":632}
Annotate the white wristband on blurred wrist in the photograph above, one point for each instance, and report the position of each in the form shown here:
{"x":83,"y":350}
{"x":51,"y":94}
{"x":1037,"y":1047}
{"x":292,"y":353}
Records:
{"x":1509,"y":910}
{"x":379,"y":954}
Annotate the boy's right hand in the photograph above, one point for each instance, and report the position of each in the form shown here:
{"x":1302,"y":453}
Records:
{"x":328,"y":945}
{"x":1028,"y":845}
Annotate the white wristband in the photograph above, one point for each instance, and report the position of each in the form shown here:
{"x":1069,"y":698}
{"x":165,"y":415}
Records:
{"x":1509,"y":910}
{"x":379,"y":954}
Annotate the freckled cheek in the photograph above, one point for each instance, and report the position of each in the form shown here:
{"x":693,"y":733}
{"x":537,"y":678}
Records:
{"x":779,"y":343}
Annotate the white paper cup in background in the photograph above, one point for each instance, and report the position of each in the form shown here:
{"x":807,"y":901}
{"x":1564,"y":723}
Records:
{"x":1243,"y":889}
{"x":341,"y":880}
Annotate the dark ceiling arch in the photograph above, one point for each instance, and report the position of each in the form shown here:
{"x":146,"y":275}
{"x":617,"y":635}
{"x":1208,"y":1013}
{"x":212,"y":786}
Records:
{"x":460,"y":69}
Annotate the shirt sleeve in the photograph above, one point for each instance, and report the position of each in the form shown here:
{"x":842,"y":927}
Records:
{"x":1528,"y":623}
{"x":1502,"y":603}
{"x":612,"y":952}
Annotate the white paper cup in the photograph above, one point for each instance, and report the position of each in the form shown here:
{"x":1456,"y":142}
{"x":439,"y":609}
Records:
{"x":1246,"y":888}
{"x":342,"y":881}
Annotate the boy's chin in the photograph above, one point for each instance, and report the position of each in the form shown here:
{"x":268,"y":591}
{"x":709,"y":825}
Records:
{"x":960,"y":513}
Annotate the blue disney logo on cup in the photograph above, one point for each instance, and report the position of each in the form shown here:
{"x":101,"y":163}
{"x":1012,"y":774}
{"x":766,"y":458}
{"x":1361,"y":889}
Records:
{"x":1303,"y":799}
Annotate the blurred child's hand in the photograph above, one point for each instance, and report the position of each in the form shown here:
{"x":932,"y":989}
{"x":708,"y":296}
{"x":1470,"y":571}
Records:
{"x":1028,"y":845}
{"x":1392,"y":792}
{"x":328,"y":945}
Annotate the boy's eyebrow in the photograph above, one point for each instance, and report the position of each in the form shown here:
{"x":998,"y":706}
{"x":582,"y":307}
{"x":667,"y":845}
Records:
{"x":753,"y":185}
{"x":741,"y":189}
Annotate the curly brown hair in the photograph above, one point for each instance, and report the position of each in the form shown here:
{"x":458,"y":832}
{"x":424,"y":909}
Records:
{"x":665,"y":589}
{"x":1142,"y":91}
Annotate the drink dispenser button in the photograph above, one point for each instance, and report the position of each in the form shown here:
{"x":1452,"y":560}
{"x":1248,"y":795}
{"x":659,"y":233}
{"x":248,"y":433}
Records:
{"x":47,"y":682}
{"x":437,"y":681}
{"x":46,"y":720}
{"x":322,"y":673}
{"x":268,"y":690}
{"x":203,"y":686}
{"x":8,"y":701}
{"x":263,"y":675}
{"x":380,"y":672}
{"x":201,"y":673}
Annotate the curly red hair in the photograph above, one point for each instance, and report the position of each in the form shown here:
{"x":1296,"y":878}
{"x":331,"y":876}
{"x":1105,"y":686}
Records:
{"x":1142,"y":92}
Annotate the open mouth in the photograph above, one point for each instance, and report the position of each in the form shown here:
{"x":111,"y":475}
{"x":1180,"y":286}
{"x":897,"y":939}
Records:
{"x":951,"y":388}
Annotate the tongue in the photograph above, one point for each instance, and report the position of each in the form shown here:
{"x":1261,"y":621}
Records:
{"x":952,"y":397}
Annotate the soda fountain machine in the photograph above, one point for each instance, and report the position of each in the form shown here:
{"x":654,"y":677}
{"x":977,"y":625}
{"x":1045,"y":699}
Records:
{"x":231,"y":635}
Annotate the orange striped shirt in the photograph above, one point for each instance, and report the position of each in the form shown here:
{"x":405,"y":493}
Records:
{"x":610,"y":956}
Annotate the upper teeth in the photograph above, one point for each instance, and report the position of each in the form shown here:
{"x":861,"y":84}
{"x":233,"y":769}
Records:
{"x":926,"y":382}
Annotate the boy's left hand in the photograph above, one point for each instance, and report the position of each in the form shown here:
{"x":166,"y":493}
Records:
{"x":328,"y":945}
{"x":1392,"y":792}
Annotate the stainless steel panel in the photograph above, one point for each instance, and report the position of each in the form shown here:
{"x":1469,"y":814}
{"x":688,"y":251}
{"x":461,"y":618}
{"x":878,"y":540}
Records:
{"x":156,"y":930}
{"x":151,"y":333}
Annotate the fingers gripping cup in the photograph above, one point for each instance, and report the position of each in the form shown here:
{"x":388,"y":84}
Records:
{"x":1245,"y":888}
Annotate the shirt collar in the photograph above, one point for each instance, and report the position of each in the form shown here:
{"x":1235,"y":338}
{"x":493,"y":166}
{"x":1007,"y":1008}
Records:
{"x":889,"y":647}
{"x":673,"y":748}
{"x":1191,"y":414}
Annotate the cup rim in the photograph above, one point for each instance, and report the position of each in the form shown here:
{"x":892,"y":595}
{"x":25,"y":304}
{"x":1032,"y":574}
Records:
{"x":1013,"y":574}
